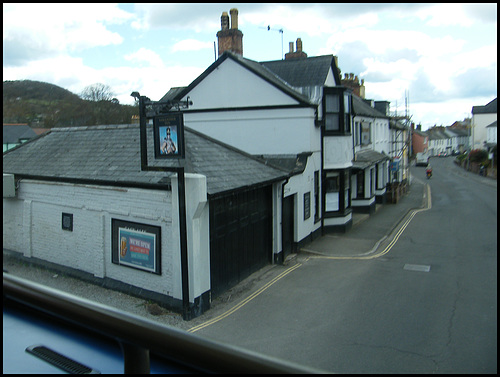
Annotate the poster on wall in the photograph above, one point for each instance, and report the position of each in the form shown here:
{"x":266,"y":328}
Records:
{"x":169,"y":135}
{"x":136,"y":245}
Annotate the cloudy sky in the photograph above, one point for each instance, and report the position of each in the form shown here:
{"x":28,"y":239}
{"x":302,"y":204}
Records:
{"x":442,"y":57}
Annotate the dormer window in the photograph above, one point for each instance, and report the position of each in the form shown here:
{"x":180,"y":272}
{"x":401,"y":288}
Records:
{"x":337,"y":110}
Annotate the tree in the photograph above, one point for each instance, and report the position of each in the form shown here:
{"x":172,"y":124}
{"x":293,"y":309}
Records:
{"x":97,"y":92}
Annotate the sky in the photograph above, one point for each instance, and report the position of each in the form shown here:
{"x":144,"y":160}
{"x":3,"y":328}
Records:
{"x":435,"y":60}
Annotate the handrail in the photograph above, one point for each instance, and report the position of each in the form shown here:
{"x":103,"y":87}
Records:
{"x":140,"y":335}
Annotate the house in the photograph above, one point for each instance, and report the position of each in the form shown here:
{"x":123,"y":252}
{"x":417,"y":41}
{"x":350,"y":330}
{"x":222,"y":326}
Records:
{"x":439,"y":142}
{"x":420,"y":141}
{"x":450,"y":140}
{"x":482,"y":117}
{"x":400,"y":141}
{"x":460,"y":140}
{"x":370,"y":172}
{"x":491,"y":135}
{"x":299,"y":109}
{"x":16,"y":134}
{"x":292,"y":109}
{"x":80,"y":200}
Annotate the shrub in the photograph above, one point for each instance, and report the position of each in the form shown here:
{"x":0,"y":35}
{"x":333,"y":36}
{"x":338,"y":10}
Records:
{"x":478,"y":155}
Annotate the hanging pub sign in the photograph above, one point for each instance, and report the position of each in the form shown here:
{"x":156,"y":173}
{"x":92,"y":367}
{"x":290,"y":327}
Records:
{"x":136,"y":245}
{"x":169,"y":135}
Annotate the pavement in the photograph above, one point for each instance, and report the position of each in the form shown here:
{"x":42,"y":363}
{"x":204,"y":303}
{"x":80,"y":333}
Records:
{"x":368,"y":232}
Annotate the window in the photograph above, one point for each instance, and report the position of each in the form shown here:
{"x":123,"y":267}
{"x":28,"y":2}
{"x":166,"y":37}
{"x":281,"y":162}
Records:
{"x":347,"y":113}
{"x":337,"y":191}
{"x":316,"y":196}
{"x":337,"y":110}
{"x":365,"y":133}
{"x":332,"y":188}
{"x":332,"y":113}
{"x":307,"y":205}
{"x":361,"y":184}
{"x":357,"y":133}
{"x":67,"y":221}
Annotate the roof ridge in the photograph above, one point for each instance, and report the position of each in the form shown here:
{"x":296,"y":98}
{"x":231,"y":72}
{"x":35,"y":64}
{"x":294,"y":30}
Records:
{"x":96,"y":127}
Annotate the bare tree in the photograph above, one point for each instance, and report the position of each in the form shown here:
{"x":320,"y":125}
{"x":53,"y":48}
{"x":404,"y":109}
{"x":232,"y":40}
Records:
{"x":97,"y":92}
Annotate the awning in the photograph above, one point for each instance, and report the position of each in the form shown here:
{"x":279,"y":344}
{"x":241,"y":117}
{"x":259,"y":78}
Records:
{"x":367,"y":158}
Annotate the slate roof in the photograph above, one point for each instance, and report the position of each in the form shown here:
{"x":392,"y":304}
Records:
{"x":111,"y":154}
{"x":494,"y":124}
{"x":367,"y":158}
{"x":436,"y":134}
{"x":12,"y":134}
{"x":311,"y":71}
{"x":361,"y":108}
{"x":292,"y":164}
{"x":286,"y":75}
{"x":253,"y":66}
{"x":489,"y":108}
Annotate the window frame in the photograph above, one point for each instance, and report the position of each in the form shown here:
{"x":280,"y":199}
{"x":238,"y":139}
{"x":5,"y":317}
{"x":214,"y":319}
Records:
{"x":343,"y":191}
{"x":344,"y":113}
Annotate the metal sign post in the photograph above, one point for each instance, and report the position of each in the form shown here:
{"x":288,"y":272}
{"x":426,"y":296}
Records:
{"x":165,"y":119}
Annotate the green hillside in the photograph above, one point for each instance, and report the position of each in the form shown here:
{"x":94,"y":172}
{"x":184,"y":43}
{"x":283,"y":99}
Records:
{"x":40,"y":104}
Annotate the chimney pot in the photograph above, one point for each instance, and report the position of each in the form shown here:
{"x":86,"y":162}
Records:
{"x":299,"y":45}
{"x":290,"y":45}
{"x":224,"y":21}
{"x":234,"y":18}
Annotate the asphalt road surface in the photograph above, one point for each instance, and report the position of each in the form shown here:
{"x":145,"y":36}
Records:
{"x":427,"y":306}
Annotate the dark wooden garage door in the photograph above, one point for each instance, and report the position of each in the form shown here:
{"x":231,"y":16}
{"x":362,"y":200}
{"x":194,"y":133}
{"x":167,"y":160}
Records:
{"x":240,"y":237}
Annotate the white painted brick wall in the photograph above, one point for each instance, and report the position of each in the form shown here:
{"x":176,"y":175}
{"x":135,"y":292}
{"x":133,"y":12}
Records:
{"x":33,"y":226}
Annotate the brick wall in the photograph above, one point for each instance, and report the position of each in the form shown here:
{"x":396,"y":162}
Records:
{"x":33,"y":226}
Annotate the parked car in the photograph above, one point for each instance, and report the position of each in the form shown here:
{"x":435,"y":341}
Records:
{"x":443,"y":154}
{"x":422,"y":159}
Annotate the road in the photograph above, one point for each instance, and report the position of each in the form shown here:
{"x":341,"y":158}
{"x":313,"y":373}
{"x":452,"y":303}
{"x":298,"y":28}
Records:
{"x":427,"y":306}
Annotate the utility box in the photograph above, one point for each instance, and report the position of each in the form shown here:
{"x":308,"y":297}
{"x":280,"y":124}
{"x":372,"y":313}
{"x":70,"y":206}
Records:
{"x":9,"y":186}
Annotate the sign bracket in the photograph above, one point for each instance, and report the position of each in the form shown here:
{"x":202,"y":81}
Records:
{"x":156,"y":109}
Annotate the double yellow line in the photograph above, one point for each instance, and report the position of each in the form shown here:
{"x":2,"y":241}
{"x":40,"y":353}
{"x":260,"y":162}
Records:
{"x":245,"y":301}
{"x":395,"y":238}
{"x":287,"y":271}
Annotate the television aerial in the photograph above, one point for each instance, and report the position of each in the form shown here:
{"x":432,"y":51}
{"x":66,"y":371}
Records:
{"x":278,"y":30}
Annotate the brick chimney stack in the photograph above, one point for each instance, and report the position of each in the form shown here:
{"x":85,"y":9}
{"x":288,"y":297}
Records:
{"x":230,"y":38}
{"x":298,"y":54}
{"x":352,"y":82}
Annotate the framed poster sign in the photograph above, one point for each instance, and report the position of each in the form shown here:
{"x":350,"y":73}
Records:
{"x":169,"y":135}
{"x":136,"y":245}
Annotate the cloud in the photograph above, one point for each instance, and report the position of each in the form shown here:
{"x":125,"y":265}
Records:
{"x":463,"y":15}
{"x":72,"y":74}
{"x":482,"y":12}
{"x":476,"y":82}
{"x":144,"y":55}
{"x":40,"y":30}
{"x":191,"y":45}
{"x":178,"y":16}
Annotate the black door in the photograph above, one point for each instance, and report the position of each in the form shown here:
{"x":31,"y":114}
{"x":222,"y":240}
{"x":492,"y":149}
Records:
{"x":240,"y":236}
{"x":288,"y":225}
